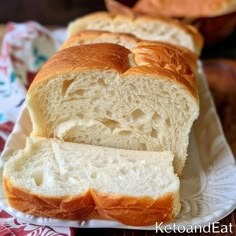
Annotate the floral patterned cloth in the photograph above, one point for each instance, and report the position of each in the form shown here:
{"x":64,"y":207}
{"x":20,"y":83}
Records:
{"x":25,"y":48}
{"x":10,"y":226}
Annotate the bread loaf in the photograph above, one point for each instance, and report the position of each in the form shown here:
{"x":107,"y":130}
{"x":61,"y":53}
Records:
{"x":199,"y":8}
{"x":127,"y":40}
{"x":144,"y":27}
{"x":104,"y":94}
{"x":56,"y":179}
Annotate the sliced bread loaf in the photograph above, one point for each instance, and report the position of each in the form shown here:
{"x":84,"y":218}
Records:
{"x":191,"y":9}
{"x":127,"y":40}
{"x":104,"y":94}
{"x":52,"y":178}
{"x":144,"y":27}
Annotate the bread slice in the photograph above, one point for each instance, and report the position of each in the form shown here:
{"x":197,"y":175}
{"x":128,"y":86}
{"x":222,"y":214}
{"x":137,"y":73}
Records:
{"x":144,"y":27}
{"x":104,"y":94}
{"x":56,"y":179}
{"x":127,"y":40}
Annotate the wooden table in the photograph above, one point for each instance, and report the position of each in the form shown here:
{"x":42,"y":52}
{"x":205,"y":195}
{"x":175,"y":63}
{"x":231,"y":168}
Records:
{"x":231,"y":218}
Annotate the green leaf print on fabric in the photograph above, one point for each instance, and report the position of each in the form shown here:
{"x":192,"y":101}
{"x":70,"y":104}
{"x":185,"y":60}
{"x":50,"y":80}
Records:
{"x":12,"y":77}
{"x":39,"y":58}
{"x":2,"y":118}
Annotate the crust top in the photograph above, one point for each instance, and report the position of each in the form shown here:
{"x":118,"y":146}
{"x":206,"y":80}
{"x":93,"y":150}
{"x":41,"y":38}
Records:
{"x":199,"y":8}
{"x":128,"y":40}
{"x":160,"y":60}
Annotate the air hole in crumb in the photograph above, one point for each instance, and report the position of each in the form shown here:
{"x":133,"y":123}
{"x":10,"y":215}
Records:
{"x":80,"y":115}
{"x":68,"y":99}
{"x":168,"y":122}
{"x":155,"y":117}
{"x":124,"y":132}
{"x":187,"y":109}
{"x":137,"y":114}
{"x":38,"y":177}
{"x":102,"y":83}
{"x":143,"y":146}
{"x":141,"y":128}
{"x":80,"y":92}
{"x":154,"y":133}
{"x":111,"y":124}
{"x":65,"y":85}
{"x":109,"y":113}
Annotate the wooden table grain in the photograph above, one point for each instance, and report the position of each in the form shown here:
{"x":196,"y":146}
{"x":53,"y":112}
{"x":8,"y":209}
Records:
{"x":230,"y":132}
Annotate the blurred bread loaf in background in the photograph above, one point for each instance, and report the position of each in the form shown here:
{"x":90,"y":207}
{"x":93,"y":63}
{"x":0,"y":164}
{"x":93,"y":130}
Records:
{"x":155,"y":28}
{"x":215,"y":19}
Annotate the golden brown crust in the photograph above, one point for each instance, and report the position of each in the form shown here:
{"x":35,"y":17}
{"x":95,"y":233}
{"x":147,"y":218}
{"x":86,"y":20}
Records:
{"x":166,"y":59}
{"x":91,"y":36}
{"x":188,"y":29}
{"x":167,"y":74}
{"x":135,"y":211}
{"x":73,"y":208}
{"x":84,"y":57}
{"x":116,"y":7}
{"x":184,"y":8}
{"x":163,"y":60}
{"x":190,"y":57}
{"x":128,"y":210}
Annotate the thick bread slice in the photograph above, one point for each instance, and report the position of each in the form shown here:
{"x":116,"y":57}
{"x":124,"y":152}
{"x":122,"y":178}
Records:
{"x":104,"y":94}
{"x":127,"y":40}
{"x":57,"y":179}
{"x":144,"y":27}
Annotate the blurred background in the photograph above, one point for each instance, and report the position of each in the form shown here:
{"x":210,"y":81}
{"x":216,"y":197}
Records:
{"x":50,"y":12}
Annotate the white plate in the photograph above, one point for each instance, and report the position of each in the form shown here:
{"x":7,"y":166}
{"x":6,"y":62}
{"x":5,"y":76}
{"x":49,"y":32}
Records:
{"x":208,"y":185}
